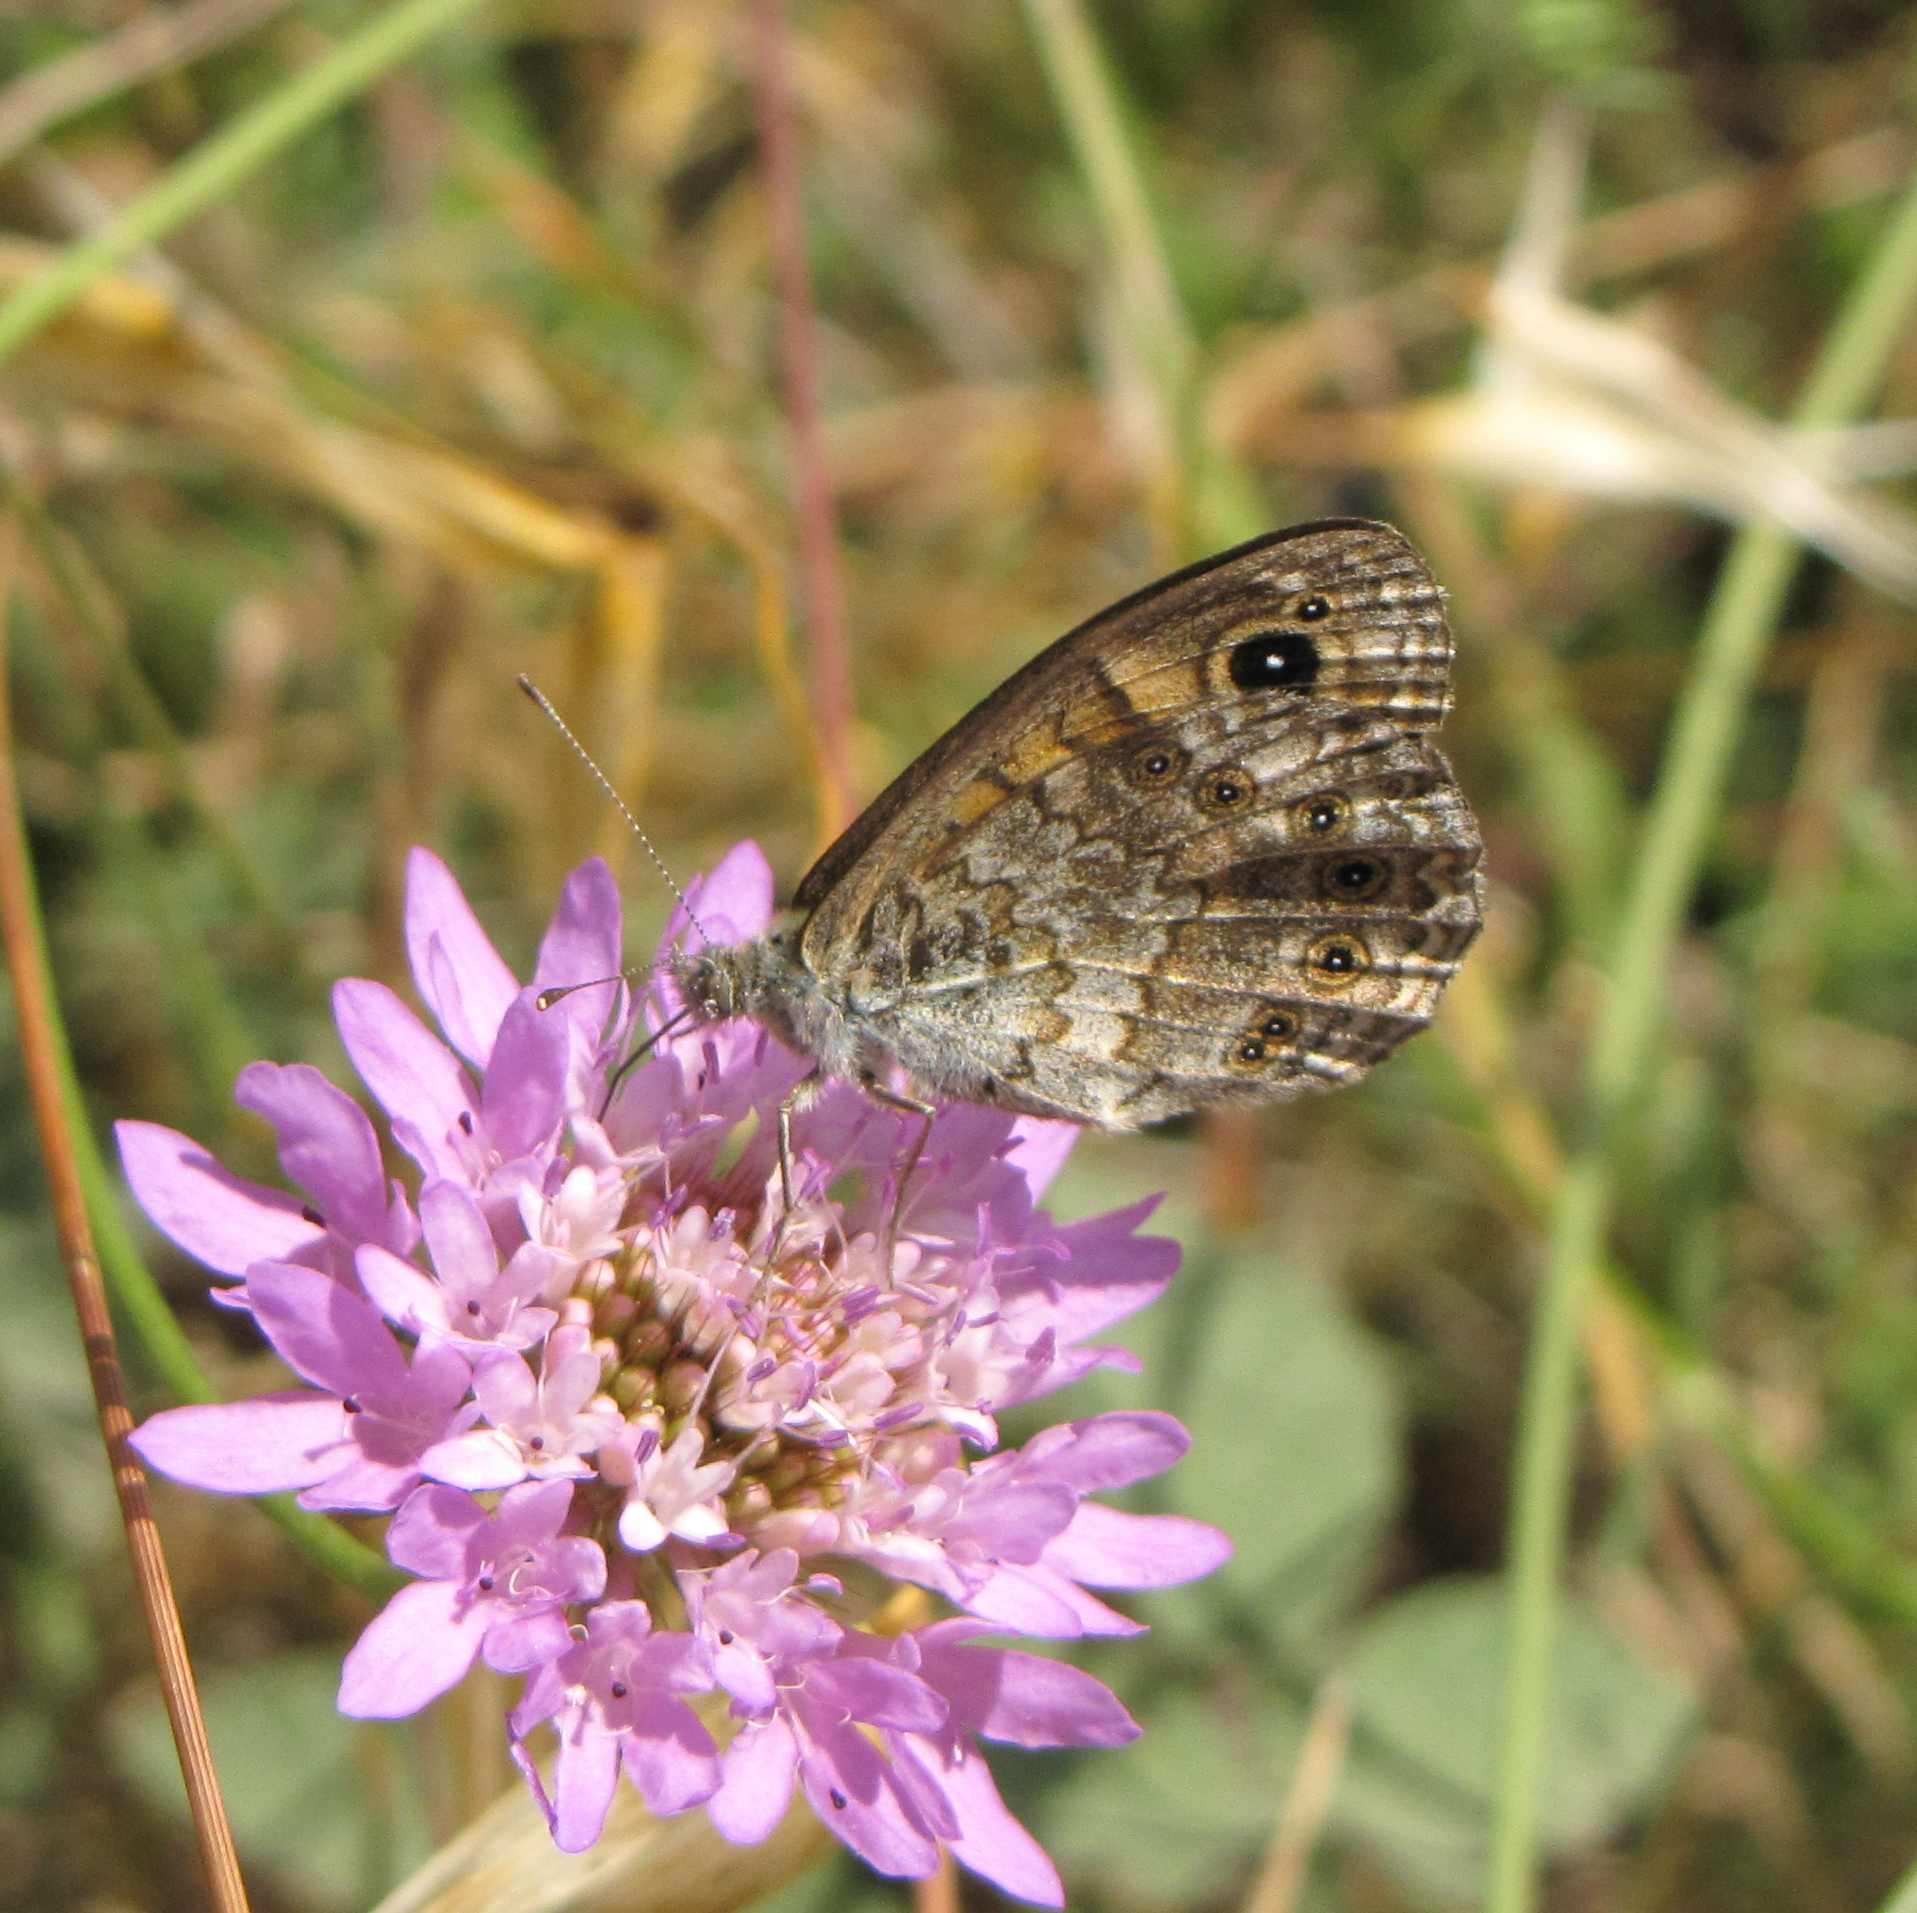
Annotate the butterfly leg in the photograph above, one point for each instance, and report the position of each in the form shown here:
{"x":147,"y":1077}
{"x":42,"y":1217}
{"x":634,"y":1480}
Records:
{"x":906,"y":1106}
{"x":801,"y":1096}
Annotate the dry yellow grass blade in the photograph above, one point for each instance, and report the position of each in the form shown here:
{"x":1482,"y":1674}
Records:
{"x":131,"y":350}
{"x":506,"y":1858}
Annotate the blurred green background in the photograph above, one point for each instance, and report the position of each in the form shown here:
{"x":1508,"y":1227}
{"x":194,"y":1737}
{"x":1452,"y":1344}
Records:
{"x":481,"y":377}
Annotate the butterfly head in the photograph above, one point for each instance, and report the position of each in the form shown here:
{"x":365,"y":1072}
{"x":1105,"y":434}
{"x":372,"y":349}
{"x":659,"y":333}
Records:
{"x":726,"y":980}
{"x":766,"y":978}
{"x":711,"y":984}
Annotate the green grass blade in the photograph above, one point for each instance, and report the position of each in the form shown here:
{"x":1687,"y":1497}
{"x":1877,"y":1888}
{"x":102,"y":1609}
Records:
{"x":219,"y":163}
{"x":1731,"y":647}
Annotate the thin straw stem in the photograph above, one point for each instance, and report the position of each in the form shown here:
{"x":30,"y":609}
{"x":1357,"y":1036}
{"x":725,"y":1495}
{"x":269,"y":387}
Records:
{"x":47,"y":1069}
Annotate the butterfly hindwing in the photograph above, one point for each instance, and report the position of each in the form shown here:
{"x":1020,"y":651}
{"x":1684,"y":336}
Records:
{"x":1239,"y":900}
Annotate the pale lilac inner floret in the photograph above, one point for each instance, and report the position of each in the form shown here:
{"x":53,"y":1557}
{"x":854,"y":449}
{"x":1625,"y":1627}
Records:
{"x":630,"y":1411}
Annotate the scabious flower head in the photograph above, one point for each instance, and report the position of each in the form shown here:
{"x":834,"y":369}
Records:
{"x":637,"y":1418}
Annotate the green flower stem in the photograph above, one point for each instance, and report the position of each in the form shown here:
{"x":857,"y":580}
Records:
{"x":1737,"y":630}
{"x":1095,"y":125}
{"x":142,"y":1308}
{"x":221,"y":162}
{"x":1206,"y":499}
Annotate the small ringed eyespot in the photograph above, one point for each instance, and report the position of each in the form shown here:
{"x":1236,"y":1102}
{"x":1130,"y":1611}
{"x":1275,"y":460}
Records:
{"x":1157,"y":764}
{"x":1280,"y":1025}
{"x":1324,"y":814}
{"x":1225,"y":789}
{"x":1338,"y":959}
{"x":1252,"y":1050}
{"x":1356,"y":877}
{"x":1315,"y":608}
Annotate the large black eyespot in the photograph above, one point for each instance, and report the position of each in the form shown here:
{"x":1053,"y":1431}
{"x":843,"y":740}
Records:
{"x":1325,"y":814}
{"x":1337,"y":960}
{"x":1225,"y":790}
{"x":1315,"y":608}
{"x":1275,"y":661}
{"x":1356,"y":878}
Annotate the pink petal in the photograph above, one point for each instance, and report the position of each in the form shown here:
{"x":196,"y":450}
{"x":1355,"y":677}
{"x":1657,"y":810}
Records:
{"x":852,"y":1791}
{"x":1040,"y":1602}
{"x":479,"y":1460}
{"x":326,"y":1334}
{"x":1112,"y":1272}
{"x":533,"y":1516}
{"x":1026,"y":1699}
{"x":1038,"y":1150}
{"x":584,"y":1779}
{"x":363,"y":1486}
{"x":1108,"y":1548}
{"x":264,"y":1446}
{"x":460,"y":977}
{"x":733,"y":899}
{"x":525,"y":1093}
{"x":639,"y":1528}
{"x":1108,"y":1451}
{"x":526,"y":1641}
{"x":1016,"y":1521}
{"x":506,"y":1389}
{"x":433,"y":1533}
{"x":326,"y":1145}
{"x":414,"y":1077}
{"x":417,"y":1646}
{"x":755,"y":1783}
{"x":669,"y":1755}
{"x":457,"y":1236}
{"x":885,"y":1696}
{"x":218,"y":1218}
{"x":990,"y":1841}
{"x":402,"y":1292}
{"x":581,"y":943}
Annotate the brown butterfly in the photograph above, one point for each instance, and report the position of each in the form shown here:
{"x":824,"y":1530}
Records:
{"x":1200,"y":851}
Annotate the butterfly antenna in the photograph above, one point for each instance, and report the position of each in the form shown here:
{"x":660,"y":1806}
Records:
{"x":619,"y":803}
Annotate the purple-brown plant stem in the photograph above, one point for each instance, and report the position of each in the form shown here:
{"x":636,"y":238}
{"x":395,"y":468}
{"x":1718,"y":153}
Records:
{"x":822,"y":587}
{"x":40,"y":1054}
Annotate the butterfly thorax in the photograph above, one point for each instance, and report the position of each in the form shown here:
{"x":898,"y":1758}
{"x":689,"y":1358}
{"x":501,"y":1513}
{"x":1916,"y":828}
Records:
{"x":766,"y":978}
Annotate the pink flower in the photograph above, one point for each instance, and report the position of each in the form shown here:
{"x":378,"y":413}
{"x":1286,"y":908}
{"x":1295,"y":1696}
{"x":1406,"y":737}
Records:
{"x":468,"y":1300}
{"x":596,"y":1358}
{"x":355,"y":1440}
{"x":496,"y":1585}
{"x":614,"y":1700}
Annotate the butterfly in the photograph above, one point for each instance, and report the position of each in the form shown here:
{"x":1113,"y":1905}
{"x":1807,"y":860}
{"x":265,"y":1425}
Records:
{"x":1200,"y":851}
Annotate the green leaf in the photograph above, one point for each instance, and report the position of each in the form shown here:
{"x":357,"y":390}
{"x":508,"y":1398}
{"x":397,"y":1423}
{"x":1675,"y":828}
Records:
{"x":1425,"y":1674}
{"x":1296,"y":1439}
{"x":1175,"y":1818}
{"x":294,"y":1773}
